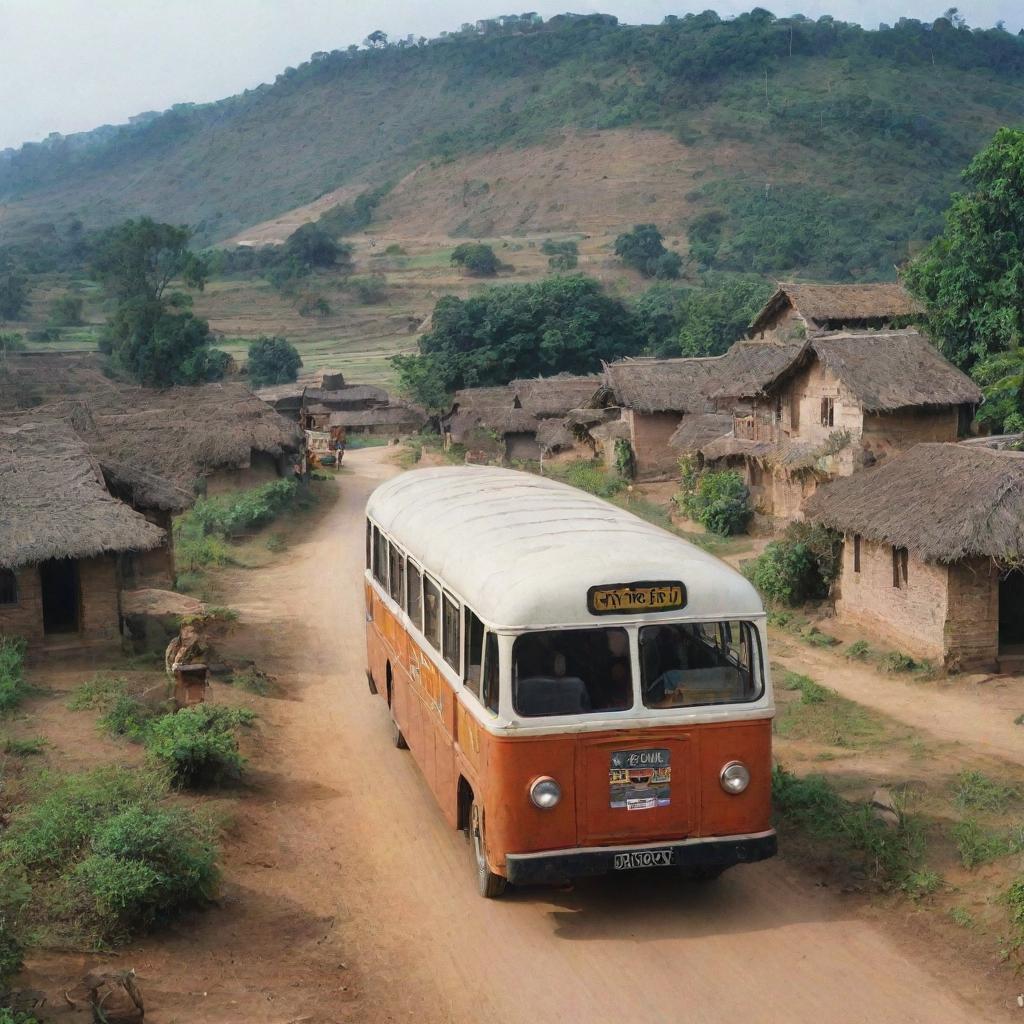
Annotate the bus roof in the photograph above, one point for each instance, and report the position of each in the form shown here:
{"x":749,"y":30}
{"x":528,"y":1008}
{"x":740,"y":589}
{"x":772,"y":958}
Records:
{"x":523,"y":550}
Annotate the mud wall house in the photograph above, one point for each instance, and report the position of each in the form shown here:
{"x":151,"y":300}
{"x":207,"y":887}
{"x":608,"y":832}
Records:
{"x":654,"y":396}
{"x":812,"y":411}
{"x":492,"y":424}
{"x":386,"y":421}
{"x":932,"y":553}
{"x":797,"y":311}
{"x":61,"y":537}
{"x":553,"y":401}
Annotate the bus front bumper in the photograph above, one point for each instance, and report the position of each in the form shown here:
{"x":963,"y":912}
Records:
{"x":704,"y":852}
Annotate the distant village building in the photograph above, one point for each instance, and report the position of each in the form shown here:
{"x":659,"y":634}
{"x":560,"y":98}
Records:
{"x":799,"y":310}
{"x":62,"y":535}
{"x":804,"y":412}
{"x":655,"y":396}
{"x":932,"y":554}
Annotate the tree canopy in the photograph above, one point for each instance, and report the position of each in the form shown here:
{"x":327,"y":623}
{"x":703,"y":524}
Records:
{"x":272,"y":361}
{"x":476,"y":258}
{"x":562,"y":324}
{"x":643,"y":249}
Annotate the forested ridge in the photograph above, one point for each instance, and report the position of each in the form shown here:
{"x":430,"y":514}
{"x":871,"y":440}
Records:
{"x":874,"y":126}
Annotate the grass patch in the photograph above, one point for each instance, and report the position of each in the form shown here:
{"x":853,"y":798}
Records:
{"x":859,"y":650}
{"x":198,"y":746}
{"x":897,"y":661}
{"x":961,"y":916}
{"x":25,"y":748}
{"x":365,"y":441}
{"x":977,"y":791}
{"x":978,"y":845}
{"x":891,"y":856}
{"x":810,"y":691}
{"x":97,"y":694}
{"x":822,"y":716}
{"x":816,"y":638}
{"x":590,"y":477}
{"x":1015,"y":902}
{"x":252,"y":680}
{"x":13,"y":687}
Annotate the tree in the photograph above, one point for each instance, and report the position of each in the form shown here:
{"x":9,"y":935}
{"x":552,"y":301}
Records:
{"x":149,"y":335}
{"x":10,"y":343}
{"x":66,"y":311}
{"x":13,"y":290}
{"x":643,"y":250}
{"x":272,"y":361}
{"x":971,"y":277}
{"x":312,"y":247}
{"x":139,"y":259}
{"x":376,"y":40}
{"x":561,"y":324}
{"x":477,"y":259}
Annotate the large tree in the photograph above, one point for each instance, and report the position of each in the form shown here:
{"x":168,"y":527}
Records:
{"x":151,"y":336}
{"x":971,"y":277}
{"x":272,"y":361}
{"x":561,"y":324}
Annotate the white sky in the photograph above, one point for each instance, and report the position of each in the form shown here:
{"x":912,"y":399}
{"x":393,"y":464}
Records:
{"x":70,"y":65}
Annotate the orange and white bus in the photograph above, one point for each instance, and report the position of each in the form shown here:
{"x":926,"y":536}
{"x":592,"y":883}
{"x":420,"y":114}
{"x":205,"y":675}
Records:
{"x":583,"y":691}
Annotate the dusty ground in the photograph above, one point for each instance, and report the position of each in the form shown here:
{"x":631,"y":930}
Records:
{"x":350,"y":900}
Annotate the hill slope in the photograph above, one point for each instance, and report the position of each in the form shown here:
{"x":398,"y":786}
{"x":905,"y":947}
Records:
{"x":777,"y":145}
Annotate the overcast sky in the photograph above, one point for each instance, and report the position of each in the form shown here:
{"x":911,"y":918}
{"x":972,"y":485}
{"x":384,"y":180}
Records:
{"x":70,"y":65}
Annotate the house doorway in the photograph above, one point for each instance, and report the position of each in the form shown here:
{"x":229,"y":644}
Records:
{"x":1011,"y":612}
{"x":61,"y":596}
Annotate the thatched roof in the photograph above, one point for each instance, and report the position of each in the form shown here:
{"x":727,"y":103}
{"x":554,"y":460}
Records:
{"x":943,"y":502}
{"x":661,"y":385}
{"x":837,"y":303}
{"x":555,"y":396}
{"x":997,"y":442}
{"x":349,"y":396}
{"x":787,"y":454}
{"x":54,"y":503}
{"x":554,"y":435}
{"x":697,"y":431}
{"x":406,"y":416}
{"x":749,"y":368}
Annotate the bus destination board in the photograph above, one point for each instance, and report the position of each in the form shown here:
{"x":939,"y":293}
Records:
{"x":630,"y":598}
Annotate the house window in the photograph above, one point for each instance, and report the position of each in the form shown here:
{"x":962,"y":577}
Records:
{"x":828,"y":412}
{"x":8,"y":587}
{"x":856,"y":552}
{"x":900,"y":558}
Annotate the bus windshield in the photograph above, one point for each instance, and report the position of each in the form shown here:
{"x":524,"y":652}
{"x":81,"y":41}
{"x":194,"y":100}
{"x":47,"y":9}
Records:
{"x":691,"y":663}
{"x":571,"y":672}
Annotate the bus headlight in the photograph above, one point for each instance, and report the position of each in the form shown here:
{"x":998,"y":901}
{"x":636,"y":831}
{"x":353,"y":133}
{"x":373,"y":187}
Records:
{"x":734,"y":777}
{"x":545,"y":792}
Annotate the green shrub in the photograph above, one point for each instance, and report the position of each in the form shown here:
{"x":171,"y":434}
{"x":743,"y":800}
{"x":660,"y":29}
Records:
{"x":126,"y":717}
{"x":26,"y":747}
{"x":229,"y":515}
{"x":961,"y":916}
{"x":897,"y":661}
{"x":476,"y":258}
{"x":97,"y":694}
{"x":590,"y":477}
{"x":798,"y":567}
{"x":977,"y":791}
{"x":719,"y":501}
{"x":625,"y":459}
{"x":810,"y":691}
{"x":9,"y":1016}
{"x":10,"y":957}
{"x":859,"y":650}
{"x":563,"y":261}
{"x":13,"y":688}
{"x":978,"y":845}
{"x":198,"y":745}
{"x":817,"y":638}
{"x":551,"y":247}
{"x":145,"y":865}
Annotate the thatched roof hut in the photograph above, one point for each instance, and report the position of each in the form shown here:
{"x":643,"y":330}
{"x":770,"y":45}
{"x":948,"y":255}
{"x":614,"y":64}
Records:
{"x":401,"y":416}
{"x":661,"y":385}
{"x":553,"y":435}
{"x":694,"y":432}
{"x":943,"y":502}
{"x":834,"y":305}
{"x":55,"y":504}
{"x":749,"y":368}
{"x":556,"y":396}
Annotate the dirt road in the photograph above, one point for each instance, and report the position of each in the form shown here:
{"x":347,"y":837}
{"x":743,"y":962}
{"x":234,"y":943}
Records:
{"x":353,"y":901}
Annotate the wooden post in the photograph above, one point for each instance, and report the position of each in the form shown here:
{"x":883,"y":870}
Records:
{"x":189,"y":685}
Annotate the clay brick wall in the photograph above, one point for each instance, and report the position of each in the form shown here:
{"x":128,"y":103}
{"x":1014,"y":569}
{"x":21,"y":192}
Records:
{"x":262,"y":469}
{"x":892,"y":433}
{"x":807,"y":389}
{"x":25,"y":618}
{"x":649,"y":435}
{"x":911,"y":617}
{"x":972,"y":623}
{"x":784,"y":327}
{"x":100,"y":591}
{"x":522,"y":447}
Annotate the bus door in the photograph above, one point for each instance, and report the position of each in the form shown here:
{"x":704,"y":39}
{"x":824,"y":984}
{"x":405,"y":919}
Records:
{"x":635,"y":786}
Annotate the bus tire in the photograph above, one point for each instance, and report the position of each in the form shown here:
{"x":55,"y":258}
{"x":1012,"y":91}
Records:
{"x":488,"y":884}
{"x":397,"y":736}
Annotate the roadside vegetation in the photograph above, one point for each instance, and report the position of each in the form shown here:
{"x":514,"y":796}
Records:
{"x":13,"y":687}
{"x":719,"y":501}
{"x":798,"y":567}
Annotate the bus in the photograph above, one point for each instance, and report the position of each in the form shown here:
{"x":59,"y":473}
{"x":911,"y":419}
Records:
{"x":584,"y":692}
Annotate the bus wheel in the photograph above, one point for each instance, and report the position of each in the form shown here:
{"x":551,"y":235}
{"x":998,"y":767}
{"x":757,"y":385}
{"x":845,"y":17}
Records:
{"x":489,"y":885}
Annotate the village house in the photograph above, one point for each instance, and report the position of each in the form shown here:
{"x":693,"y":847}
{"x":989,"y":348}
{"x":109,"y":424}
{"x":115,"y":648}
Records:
{"x":654,"y":396}
{"x":796,"y":311}
{"x":805,"y":412}
{"x":932,"y":553}
{"x":62,"y":535}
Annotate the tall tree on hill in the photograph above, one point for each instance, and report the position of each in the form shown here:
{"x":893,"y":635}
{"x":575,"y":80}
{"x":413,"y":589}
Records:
{"x":151,"y":336}
{"x":643,"y":250}
{"x":272,"y":361}
{"x":13,"y":290}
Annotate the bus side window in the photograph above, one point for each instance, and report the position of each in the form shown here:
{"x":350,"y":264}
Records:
{"x":415,"y":592}
{"x":432,"y":612}
{"x":473,"y":665}
{"x":491,"y":673}
{"x":380,"y":558}
{"x":396,"y":574}
{"x":450,"y":651}
{"x":369,"y":545}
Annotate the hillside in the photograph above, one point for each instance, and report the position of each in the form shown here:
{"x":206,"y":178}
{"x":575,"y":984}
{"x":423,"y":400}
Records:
{"x":781,"y":146}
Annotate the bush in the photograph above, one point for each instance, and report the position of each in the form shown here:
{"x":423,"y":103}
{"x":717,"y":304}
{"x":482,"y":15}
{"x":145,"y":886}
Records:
{"x":272,"y":361}
{"x":98,"y":693}
{"x":476,"y":259}
{"x":13,"y":688}
{"x":859,"y":650}
{"x":563,"y":261}
{"x":719,"y":501}
{"x":9,"y":1016}
{"x":126,"y":717}
{"x":198,"y":745}
{"x":897,"y":661}
{"x":798,"y":567}
{"x":10,"y":957}
{"x":642,"y":249}
{"x":370,"y":290}
{"x":978,"y":845}
{"x":230,"y":515}
{"x":144,"y":866}
{"x":590,"y":477}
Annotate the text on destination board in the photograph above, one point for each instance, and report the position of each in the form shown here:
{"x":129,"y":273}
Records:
{"x":622,"y":598}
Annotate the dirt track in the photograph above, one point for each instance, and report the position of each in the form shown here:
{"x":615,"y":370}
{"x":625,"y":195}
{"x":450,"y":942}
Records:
{"x":351,"y":900}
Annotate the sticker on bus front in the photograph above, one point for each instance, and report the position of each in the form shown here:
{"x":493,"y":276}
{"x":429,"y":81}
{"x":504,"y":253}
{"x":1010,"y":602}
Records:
{"x":640,"y":780}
